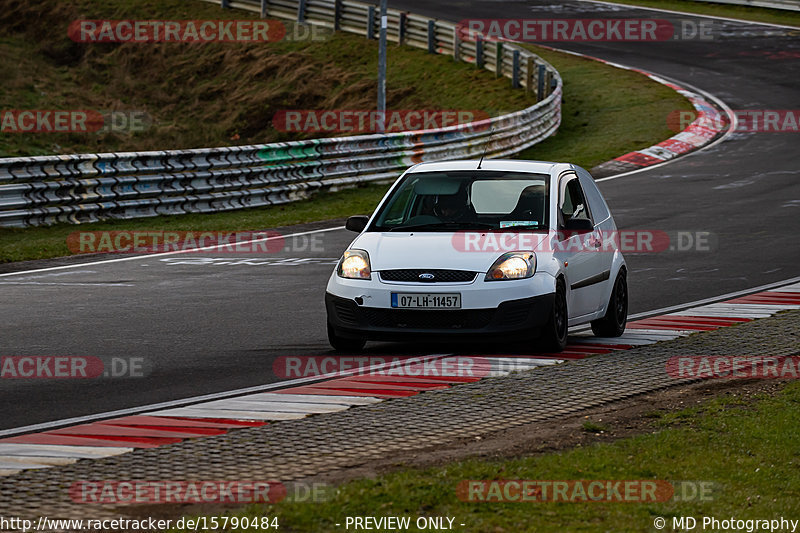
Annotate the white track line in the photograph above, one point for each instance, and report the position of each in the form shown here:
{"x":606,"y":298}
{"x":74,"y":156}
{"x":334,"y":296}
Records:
{"x":733,"y":124}
{"x":631,"y":337}
{"x":28,"y":461}
{"x":273,"y":406}
{"x":720,"y":313}
{"x":632,"y":6}
{"x":203,"y":412}
{"x":589,"y":338}
{"x":163,"y":254}
{"x":346,"y":401}
{"x":732,"y":118}
{"x":713,"y":304}
{"x":246,"y":404}
{"x":12,"y":467}
{"x":55,"y":450}
{"x":714,"y":299}
{"x":188,"y":402}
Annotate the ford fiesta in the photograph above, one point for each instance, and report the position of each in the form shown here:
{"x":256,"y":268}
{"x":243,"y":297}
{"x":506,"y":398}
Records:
{"x":469,"y":249}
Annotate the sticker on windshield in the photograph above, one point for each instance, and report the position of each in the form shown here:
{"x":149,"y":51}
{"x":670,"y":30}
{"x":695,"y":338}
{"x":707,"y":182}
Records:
{"x":512,"y":223}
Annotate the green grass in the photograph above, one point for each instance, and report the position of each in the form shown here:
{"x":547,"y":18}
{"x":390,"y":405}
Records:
{"x":18,"y":244}
{"x":758,"y":14}
{"x":594,"y":427}
{"x":597,"y":125}
{"x":606,"y":112}
{"x":214,"y":94}
{"x":744,"y":454}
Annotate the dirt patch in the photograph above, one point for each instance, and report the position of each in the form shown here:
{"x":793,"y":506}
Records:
{"x":622,"y":419}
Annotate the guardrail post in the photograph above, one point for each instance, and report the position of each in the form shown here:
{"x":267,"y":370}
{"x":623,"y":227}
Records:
{"x":498,"y":59}
{"x":225,"y":4}
{"x":401,"y":30}
{"x":479,"y":51}
{"x":515,"y":70}
{"x":431,"y":36}
{"x":540,"y":86}
{"x":549,"y":82}
{"x":301,"y":12}
{"x":264,"y":8}
{"x":371,"y":22}
{"x":337,"y":14}
{"x":529,"y":66}
{"x":456,"y":45}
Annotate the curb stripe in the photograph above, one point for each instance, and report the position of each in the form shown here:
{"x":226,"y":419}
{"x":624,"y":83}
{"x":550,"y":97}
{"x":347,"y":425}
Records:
{"x":215,"y":417}
{"x":703,"y":132}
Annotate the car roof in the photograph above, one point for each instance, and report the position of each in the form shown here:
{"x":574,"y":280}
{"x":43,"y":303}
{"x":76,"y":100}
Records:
{"x":539,"y":167}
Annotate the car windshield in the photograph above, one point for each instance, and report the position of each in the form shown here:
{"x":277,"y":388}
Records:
{"x":447,"y":201}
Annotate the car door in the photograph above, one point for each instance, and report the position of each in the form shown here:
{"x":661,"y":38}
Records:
{"x":606,"y":230}
{"x":580,"y":251}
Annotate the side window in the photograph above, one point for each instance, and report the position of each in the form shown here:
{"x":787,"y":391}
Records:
{"x":597,"y":205}
{"x":572,"y":201}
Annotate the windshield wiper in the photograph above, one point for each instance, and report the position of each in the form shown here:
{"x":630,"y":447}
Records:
{"x":446,"y":225}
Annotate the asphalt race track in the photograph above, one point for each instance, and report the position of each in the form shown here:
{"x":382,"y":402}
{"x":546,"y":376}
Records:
{"x":205,"y":323}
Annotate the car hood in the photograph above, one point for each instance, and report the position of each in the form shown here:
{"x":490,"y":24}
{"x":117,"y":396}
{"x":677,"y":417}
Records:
{"x":473,"y":250}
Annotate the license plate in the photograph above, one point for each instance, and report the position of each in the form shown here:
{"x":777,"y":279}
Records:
{"x":426,"y":300}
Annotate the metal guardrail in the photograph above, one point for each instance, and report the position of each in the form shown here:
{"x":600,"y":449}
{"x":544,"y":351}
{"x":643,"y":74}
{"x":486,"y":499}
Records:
{"x":789,"y":5}
{"x":90,"y":187}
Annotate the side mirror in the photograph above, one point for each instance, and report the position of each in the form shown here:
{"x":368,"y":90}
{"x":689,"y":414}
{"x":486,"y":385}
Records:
{"x":580,"y":225}
{"x":356,"y":223}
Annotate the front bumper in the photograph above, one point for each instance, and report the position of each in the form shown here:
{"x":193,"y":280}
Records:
{"x":519,"y":318}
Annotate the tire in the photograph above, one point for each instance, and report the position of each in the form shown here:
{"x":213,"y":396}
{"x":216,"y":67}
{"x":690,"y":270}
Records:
{"x":613,"y":324}
{"x":554,"y":335}
{"x":345,"y":344}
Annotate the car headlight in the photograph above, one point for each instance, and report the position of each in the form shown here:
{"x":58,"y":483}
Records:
{"x":354,"y":265}
{"x":513,"y":265}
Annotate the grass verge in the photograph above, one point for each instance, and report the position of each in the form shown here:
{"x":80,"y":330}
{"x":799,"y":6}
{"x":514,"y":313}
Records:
{"x":21,"y":244}
{"x":211,"y":94}
{"x":630,"y":113}
{"x":606,"y":112}
{"x":745,"y":452}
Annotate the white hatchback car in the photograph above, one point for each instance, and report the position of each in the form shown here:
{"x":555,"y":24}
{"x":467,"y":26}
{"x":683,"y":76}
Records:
{"x":469,"y":249}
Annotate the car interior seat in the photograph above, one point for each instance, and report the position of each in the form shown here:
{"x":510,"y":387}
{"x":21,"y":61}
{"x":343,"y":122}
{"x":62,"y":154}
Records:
{"x":530,"y":205}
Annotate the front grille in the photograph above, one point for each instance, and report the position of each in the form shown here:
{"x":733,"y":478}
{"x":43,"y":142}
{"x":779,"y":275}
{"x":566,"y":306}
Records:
{"x":439,"y":275}
{"x":428,"y":319}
